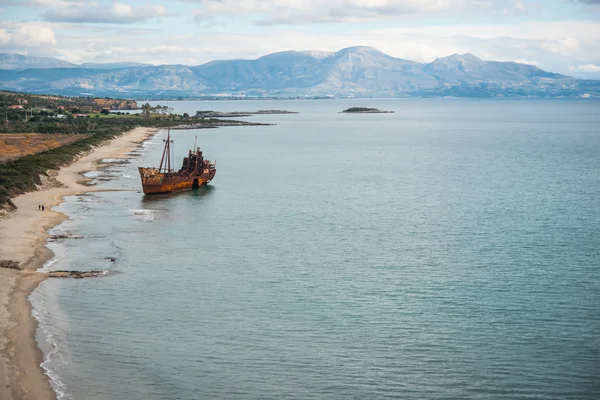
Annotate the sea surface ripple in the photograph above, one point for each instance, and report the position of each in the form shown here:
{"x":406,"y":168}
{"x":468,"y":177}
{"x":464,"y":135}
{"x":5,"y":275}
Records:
{"x":447,"y":251}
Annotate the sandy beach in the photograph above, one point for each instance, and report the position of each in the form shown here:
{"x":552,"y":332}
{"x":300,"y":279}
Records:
{"x":23,"y":236}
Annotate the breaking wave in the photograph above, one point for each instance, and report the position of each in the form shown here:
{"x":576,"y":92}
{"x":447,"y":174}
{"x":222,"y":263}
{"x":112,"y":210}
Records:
{"x":54,"y":333}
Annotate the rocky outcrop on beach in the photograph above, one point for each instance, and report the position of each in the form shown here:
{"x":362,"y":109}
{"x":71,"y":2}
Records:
{"x":76,"y":274}
{"x":64,"y":236}
{"x":10,"y":264}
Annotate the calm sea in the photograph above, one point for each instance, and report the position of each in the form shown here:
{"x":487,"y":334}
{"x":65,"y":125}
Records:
{"x":448,"y":250}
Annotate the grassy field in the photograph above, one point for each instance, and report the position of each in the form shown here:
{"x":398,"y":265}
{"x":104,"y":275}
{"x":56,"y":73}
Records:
{"x":15,"y":145}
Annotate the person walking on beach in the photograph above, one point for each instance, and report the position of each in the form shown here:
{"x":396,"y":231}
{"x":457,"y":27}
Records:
{"x":39,"y":207}
{"x":42,"y":208}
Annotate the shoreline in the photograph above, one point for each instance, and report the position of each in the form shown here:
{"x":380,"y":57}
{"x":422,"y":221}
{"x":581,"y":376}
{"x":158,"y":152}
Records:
{"x":23,"y":236}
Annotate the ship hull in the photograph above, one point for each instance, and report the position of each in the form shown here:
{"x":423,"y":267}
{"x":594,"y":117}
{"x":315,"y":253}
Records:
{"x":154,"y":182}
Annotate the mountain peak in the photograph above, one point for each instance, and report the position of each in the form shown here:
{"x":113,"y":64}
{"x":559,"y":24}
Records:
{"x":456,"y":63}
{"x":363,"y":50}
{"x":290,"y":54}
{"x":20,"y":62}
{"x":282,"y":54}
{"x":317,"y":54}
{"x":463,"y":58}
{"x":466,"y":56}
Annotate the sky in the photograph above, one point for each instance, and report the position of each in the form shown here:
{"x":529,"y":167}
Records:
{"x":556,"y":35}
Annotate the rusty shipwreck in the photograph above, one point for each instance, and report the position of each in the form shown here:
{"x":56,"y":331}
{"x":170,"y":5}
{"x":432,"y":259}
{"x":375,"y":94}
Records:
{"x":196,"y":171}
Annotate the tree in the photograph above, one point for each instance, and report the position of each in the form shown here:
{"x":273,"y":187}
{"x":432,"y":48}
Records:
{"x":105,"y":111}
{"x":186,"y":115}
{"x":146,"y":110}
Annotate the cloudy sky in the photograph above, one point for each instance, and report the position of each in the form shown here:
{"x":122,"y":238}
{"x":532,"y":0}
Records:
{"x":556,"y":35}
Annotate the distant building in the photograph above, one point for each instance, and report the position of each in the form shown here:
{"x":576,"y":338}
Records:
{"x":15,"y":107}
{"x":21,"y":101}
{"x":81,"y":115}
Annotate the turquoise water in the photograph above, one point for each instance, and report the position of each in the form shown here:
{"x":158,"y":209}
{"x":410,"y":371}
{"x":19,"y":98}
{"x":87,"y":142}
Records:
{"x":448,"y":250}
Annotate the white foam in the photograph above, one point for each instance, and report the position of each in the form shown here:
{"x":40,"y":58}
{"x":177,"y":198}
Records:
{"x":54,"y":354}
{"x":91,"y":174}
{"x":147,"y":215}
{"x":113,"y":160}
{"x":59,"y":250}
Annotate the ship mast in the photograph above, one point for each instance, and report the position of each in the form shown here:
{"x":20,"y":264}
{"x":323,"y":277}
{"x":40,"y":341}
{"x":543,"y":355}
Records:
{"x":166,"y":154}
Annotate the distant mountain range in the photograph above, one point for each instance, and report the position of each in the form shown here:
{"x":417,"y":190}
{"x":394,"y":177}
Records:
{"x":354,"y":71}
{"x":19,"y":62}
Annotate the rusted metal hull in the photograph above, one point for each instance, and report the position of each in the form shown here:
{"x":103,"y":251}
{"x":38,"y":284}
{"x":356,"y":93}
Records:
{"x":154,"y":182}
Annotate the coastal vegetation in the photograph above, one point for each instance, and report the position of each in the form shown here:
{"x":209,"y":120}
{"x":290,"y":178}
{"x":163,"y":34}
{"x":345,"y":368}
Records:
{"x":23,"y":174}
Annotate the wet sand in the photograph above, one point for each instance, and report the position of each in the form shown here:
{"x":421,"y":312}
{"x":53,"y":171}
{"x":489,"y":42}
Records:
{"x":23,"y":236}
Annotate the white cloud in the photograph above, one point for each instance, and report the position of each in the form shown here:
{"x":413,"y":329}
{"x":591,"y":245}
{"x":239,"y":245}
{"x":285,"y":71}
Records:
{"x":563,"y":46}
{"x":593,"y":5}
{"x":116,"y":13}
{"x":57,"y":3}
{"x":585,"y":68}
{"x":522,"y":61}
{"x":279,"y":12}
{"x":532,"y":30}
{"x":29,"y":35}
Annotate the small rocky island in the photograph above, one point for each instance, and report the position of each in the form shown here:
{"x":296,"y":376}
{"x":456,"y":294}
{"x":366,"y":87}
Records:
{"x":365,"y":110}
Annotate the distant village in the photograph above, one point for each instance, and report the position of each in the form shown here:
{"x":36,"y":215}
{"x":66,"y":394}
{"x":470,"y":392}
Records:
{"x":14,"y":106}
